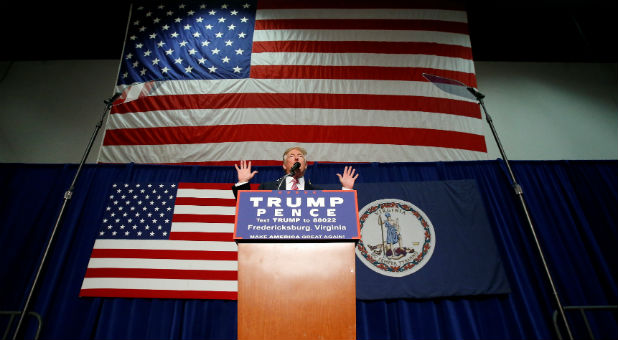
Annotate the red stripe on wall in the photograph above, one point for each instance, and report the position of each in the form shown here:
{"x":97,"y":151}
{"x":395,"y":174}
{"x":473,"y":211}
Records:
{"x":162,"y":273}
{"x":363,"y":24}
{"x":165,"y":254}
{"x":360,"y":4}
{"x":167,"y":294}
{"x":382,"y":47}
{"x":282,"y":133}
{"x":301,"y":100}
{"x":355,"y":72}
{"x":218,"y":186}
{"x":203,"y":218}
{"x":231,"y":163}
{"x":221,"y":202}
{"x":196,"y":236}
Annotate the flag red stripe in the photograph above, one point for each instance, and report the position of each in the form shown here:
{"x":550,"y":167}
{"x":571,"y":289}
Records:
{"x":167,"y":294}
{"x":221,"y":202}
{"x":165,"y":254}
{"x":302,"y":134}
{"x":419,"y":4}
{"x":255,"y":163}
{"x":355,"y":72}
{"x":381,"y":47}
{"x":162,"y":273}
{"x":203,"y":218}
{"x":195,"y":236}
{"x":363,"y":24}
{"x":231,"y":163}
{"x":217,"y":186}
{"x":301,"y":100}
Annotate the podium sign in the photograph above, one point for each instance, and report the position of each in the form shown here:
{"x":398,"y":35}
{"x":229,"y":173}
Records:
{"x":296,"y":264}
{"x":297,"y":215}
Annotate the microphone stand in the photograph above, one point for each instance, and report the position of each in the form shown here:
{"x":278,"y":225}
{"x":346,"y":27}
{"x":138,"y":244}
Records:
{"x":520,"y":194}
{"x":281,"y":180}
{"x":67,"y":196}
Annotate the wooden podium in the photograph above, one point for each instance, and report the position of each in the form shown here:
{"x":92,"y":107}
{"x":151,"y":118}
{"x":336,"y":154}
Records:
{"x":291,"y":289}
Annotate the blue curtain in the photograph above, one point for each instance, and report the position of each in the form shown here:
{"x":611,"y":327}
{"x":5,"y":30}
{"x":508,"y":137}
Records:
{"x":572,"y":203}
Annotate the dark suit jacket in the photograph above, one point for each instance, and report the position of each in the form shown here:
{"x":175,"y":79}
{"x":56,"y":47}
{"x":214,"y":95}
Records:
{"x":269,"y":186}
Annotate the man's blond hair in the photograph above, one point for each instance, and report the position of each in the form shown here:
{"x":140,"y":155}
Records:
{"x":302,"y":150}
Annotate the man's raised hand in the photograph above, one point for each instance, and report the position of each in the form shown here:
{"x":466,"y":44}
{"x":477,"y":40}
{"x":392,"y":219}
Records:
{"x":244,"y":171}
{"x":348,"y":178}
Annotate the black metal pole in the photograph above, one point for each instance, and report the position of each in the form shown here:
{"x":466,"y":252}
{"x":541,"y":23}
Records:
{"x":520,"y":194}
{"x":67,"y":197}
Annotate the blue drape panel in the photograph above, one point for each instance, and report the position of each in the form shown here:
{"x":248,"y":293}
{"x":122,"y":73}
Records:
{"x":572,"y":203}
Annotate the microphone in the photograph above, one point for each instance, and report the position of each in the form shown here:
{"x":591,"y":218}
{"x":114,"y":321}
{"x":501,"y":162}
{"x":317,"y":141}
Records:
{"x":294,"y":168}
{"x":476,"y":93}
{"x":291,"y":174}
{"x":113,"y":98}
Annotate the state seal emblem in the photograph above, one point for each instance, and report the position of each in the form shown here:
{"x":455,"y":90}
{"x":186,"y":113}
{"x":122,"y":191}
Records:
{"x":397,"y":238}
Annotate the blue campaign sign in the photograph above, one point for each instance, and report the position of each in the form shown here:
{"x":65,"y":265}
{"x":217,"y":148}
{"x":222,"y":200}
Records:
{"x":296,"y":215}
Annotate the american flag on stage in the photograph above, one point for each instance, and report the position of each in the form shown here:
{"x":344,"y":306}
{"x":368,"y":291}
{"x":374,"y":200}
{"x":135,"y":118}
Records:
{"x":165,"y":240}
{"x":246,"y":79}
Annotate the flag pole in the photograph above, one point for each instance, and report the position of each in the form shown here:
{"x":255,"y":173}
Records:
{"x":67,"y":197}
{"x":520,"y":194}
{"x":124,"y":44}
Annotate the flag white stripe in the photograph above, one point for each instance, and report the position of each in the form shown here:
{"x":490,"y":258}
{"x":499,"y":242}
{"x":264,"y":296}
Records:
{"x":160,"y":284}
{"x":373,"y":13}
{"x":139,"y":263}
{"x":203,"y":227}
{"x":204,"y":193}
{"x":325,"y":152}
{"x":446,"y":38}
{"x":204,"y":210}
{"x":339,"y":86}
{"x":363,"y":59}
{"x":326,"y":117}
{"x":165,"y":245}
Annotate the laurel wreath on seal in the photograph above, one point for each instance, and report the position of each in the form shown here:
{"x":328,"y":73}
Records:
{"x":408,"y":265}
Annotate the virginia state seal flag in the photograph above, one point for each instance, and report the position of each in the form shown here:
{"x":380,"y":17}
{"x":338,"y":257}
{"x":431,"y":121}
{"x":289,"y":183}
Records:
{"x":425,"y":239}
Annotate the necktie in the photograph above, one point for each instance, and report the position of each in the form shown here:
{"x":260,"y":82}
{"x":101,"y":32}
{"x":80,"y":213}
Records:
{"x":294,"y":186}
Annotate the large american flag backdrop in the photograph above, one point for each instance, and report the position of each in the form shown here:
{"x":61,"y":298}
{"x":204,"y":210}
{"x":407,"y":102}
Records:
{"x":211,"y":82}
{"x":165,"y":240}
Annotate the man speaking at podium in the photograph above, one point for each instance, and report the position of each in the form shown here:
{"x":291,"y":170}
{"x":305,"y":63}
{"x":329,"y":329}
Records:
{"x":294,"y":165}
